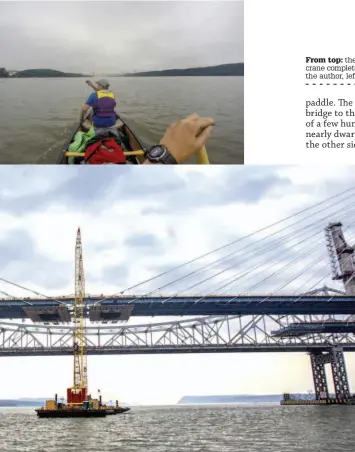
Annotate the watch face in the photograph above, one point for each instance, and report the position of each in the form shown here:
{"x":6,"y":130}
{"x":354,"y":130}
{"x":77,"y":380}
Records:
{"x":157,"y":152}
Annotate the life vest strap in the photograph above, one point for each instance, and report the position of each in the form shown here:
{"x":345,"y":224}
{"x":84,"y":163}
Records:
{"x":105,"y":93}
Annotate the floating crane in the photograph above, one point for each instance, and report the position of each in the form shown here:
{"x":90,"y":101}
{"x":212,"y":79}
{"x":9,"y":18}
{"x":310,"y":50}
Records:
{"x":79,"y":402}
{"x":78,"y":393}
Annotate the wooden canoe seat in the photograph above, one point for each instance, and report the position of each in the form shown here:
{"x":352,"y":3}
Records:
{"x":82,"y":154}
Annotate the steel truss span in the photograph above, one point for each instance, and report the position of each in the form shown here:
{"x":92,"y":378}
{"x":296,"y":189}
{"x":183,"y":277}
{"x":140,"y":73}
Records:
{"x":202,"y":335}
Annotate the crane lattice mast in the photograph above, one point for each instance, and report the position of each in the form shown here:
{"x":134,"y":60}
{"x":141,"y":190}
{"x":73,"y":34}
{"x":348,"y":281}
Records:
{"x":80,"y":358}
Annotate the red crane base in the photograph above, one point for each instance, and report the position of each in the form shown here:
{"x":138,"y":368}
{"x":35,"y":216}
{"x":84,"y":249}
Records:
{"x":76,"y":395}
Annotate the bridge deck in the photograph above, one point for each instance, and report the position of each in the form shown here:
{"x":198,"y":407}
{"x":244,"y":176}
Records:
{"x":165,"y":349}
{"x":303,"y":328}
{"x":192,"y":306}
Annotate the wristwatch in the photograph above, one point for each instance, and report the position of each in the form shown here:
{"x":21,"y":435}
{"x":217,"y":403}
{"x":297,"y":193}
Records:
{"x":160,"y":154}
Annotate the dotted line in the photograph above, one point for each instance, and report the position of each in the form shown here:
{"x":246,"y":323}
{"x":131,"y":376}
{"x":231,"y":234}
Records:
{"x":330,"y":84}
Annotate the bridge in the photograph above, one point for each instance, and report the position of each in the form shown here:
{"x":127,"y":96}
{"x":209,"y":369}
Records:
{"x":301,"y":312}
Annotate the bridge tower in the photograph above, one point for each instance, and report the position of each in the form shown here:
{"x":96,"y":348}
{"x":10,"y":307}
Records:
{"x":341,"y":257}
{"x":79,"y":391}
{"x":343,"y":268}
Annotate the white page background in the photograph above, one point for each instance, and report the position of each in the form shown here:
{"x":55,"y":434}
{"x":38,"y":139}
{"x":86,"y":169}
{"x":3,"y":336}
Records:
{"x":279,"y":34}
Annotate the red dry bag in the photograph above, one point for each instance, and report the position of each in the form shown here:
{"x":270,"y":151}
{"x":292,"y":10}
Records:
{"x":106,"y":150}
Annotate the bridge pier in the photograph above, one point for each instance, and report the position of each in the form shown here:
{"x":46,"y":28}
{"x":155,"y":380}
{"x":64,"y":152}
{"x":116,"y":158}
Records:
{"x":318,"y":361}
{"x":340,"y":379}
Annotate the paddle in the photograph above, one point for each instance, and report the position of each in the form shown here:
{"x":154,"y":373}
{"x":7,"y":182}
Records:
{"x":202,"y":157}
{"x":81,"y":123}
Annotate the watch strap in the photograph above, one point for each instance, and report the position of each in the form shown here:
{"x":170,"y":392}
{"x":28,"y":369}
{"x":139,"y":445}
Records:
{"x":167,"y":158}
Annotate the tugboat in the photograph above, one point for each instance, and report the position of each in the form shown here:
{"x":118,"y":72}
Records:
{"x":121,"y":409}
{"x":117,"y":409}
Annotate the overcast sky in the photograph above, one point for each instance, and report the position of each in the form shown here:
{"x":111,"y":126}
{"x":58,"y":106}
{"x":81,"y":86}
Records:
{"x":115,"y":37}
{"x":135,"y":224}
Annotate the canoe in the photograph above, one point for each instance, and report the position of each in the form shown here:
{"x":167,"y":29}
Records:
{"x":134,"y":148}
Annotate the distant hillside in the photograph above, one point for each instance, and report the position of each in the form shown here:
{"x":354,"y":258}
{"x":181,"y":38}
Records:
{"x":21,"y":402}
{"x":235,"y":69}
{"x":3,"y":72}
{"x":231,"y":399}
{"x":45,"y":73}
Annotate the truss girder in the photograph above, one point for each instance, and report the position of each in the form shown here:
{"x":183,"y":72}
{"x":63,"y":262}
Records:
{"x":202,"y":335}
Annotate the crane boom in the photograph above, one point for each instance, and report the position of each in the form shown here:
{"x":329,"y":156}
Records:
{"x":78,"y":393}
{"x":80,"y":367}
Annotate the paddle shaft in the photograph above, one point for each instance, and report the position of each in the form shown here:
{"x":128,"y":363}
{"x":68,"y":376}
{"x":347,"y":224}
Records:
{"x":202,"y":157}
{"x":87,"y":114}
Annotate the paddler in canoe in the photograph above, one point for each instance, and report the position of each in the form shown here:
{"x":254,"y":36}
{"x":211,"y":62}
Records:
{"x":103,"y":104}
{"x":102,"y":140}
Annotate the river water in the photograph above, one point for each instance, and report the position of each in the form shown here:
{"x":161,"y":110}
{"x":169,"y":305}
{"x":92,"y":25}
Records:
{"x":185,"y":429}
{"x":36,"y":115}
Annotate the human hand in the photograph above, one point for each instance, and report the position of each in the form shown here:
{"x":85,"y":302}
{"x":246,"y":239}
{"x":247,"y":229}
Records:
{"x":88,"y":82}
{"x":186,"y":137}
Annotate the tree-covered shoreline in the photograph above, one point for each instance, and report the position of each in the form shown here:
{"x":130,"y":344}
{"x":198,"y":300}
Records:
{"x":235,"y":69}
{"x":28,"y":73}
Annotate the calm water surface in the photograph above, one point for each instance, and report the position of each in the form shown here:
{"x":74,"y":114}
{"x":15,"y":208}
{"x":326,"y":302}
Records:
{"x":36,"y":115}
{"x":185,"y":429}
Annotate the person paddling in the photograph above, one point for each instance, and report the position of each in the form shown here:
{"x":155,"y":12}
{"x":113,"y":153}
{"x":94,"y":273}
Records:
{"x":181,"y":141}
{"x":103,"y":104}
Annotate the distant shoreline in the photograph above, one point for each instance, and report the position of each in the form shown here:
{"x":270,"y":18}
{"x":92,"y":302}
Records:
{"x":41,"y":73}
{"x":223,"y":70}
{"x":235,"y":69}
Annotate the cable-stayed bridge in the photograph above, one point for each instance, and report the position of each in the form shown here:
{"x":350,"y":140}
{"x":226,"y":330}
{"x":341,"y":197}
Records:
{"x":272,"y":291}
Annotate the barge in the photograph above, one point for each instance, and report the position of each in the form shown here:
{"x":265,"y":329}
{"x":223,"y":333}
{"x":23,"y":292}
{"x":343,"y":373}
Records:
{"x":288,"y":399}
{"x":70,"y":412}
{"x":88,"y":408}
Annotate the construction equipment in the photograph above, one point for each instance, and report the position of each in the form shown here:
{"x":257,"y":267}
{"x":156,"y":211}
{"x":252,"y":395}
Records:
{"x":78,"y":393}
{"x":79,"y":401}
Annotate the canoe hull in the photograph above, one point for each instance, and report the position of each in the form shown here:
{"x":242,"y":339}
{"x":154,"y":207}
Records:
{"x":131,"y":141}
